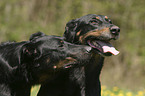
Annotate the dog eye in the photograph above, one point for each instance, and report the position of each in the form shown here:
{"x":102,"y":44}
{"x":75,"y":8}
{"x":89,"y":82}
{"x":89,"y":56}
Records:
{"x":108,"y":20}
{"x":61,"y":44}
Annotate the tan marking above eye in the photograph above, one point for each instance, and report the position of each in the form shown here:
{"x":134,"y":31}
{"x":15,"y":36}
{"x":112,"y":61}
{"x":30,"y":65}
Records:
{"x":61,"y":41}
{"x":97,"y":18}
{"x":94,"y":33}
{"x":106,"y":17}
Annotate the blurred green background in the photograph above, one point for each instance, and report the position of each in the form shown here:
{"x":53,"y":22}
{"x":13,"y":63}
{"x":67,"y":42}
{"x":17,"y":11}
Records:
{"x":20,"y":18}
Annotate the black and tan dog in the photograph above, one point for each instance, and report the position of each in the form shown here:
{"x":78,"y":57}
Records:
{"x":95,"y":31}
{"x":43,"y":58}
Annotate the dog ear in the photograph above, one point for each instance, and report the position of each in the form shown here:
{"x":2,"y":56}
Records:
{"x":36,"y":35}
{"x":29,"y":52}
{"x":70,"y":30}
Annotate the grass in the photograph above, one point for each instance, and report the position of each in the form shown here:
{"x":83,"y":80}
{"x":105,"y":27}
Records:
{"x":106,"y":91}
{"x":115,"y":91}
{"x":34,"y":90}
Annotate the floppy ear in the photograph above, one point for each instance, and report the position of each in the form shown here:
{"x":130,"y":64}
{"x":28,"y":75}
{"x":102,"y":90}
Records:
{"x":29,"y":52}
{"x":70,"y":30}
{"x":36,"y":35}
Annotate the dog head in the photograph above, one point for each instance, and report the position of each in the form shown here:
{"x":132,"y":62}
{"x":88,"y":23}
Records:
{"x":95,"y":31}
{"x":45,"y":55}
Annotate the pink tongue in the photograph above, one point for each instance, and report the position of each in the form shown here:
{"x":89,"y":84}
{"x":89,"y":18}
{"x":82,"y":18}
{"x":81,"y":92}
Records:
{"x":107,"y":47}
{"x":110,"y":50}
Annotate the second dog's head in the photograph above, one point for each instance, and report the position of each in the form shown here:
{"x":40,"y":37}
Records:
{"x":44,"y":55}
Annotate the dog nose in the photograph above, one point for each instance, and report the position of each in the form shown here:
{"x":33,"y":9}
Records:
{"x":115,"y":30}
{"x":88,"y":49}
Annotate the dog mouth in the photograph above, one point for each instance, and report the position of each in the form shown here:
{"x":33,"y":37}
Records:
{"x":103,"y":47}
{"x":68,"y":62}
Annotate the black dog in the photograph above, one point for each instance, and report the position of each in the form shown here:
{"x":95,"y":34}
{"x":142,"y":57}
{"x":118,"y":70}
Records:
{"x":41,"y":59}
{"x":5,"y":73}
{"x":95,"y":31}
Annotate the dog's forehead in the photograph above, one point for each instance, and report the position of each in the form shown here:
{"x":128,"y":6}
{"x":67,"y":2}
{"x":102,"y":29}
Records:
{"x":57,"y":39}
{"x":51,"y":37}
{"x":48,"y":39}
{"x":101,"y":17}
{"x":89,"y":17}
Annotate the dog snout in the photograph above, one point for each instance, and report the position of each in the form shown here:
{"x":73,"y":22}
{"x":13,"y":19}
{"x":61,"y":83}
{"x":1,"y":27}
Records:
{"x":115,"y":30}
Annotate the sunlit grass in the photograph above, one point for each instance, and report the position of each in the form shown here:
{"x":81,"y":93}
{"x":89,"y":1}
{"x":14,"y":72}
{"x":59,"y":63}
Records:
{"x":106,"y":91}
{"x":34,"y":90}
{"x":116,"y":91}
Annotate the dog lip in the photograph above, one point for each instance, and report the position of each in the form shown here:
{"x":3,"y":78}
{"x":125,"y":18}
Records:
{"x":104,"y":47}
{"x":69,"y":65}
{"x":70,"y":62}
{"x":69,"y":58}
{"x":94,"y":45}
{"x":67,"y":62}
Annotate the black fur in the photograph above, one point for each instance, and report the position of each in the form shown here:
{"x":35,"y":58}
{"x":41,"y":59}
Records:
{"x":40,"y":60}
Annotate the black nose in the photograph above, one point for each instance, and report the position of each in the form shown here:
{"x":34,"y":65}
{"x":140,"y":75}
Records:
{"x":115,"y":30}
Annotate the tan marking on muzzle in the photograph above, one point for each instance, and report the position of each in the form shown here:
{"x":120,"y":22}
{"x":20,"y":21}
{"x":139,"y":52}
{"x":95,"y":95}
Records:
{"x":94,"y":33}
{"x":61,"y":63}
{"x":78,"y":33}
